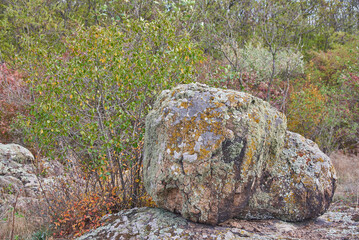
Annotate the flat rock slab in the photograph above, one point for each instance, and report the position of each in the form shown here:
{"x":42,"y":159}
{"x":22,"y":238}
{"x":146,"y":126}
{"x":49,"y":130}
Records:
{"x":154,"y":223}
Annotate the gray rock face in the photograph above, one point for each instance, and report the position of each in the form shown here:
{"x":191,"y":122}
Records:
{"x":15,"y":163}
{"x":298,"y":186}
{"x":22,"y":183}
{"x":152,"y":223}
{"x":15,"y":152}
{"x":213,"y":154}
{"x":17,"y":171}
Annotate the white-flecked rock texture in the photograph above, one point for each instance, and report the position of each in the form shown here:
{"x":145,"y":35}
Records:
{"x":15,"y":152}
{"x":17,"y":173}
{"x":214,"y":154}
{"x":154,"y":224}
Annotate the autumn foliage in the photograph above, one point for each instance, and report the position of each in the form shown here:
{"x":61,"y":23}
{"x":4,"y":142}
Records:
{"x":13,"y":98}
{"x":77,"y":202}
{"x":77,"y":79}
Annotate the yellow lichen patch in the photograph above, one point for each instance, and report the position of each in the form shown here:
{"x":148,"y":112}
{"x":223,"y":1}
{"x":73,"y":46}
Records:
{"x":219,"y":104}
{"x":295,"y":177}
{"x":332,"y":169}
{"x":290,"y":199}
{"x":205,"y":153}
{"x":235,"y":101}
{"x":308,"y":182}
{"x":191,"y":130}
{"x":254,"y":117}
{"x":184,"y":104}
{"x":232,"y":100}
{"x":269,"y":125}
{"x":248,"y":159}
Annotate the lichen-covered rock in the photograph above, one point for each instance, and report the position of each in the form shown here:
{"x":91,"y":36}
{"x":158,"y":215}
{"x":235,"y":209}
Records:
{"x":298,"y":186}
{"x":15,"y":152}
{"x":17,"y":171}
{"x":153,"y":224}
{"x":213,"y":154}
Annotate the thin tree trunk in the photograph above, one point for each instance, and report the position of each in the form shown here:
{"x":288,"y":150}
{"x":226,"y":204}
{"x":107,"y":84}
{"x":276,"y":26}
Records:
{"x":271,"y":78}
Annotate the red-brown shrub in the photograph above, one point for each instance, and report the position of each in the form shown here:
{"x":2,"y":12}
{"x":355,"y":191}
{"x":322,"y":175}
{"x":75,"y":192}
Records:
{"x":13,"y":98}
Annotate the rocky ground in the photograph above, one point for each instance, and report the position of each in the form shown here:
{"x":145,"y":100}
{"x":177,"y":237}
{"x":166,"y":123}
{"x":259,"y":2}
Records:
{"x":341,"y":221}
{"x":150,"y":223}
{"x":22,"y":183}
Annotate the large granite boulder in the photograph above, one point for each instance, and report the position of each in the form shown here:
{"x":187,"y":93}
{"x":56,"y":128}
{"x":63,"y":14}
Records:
{"x":213,"y":154}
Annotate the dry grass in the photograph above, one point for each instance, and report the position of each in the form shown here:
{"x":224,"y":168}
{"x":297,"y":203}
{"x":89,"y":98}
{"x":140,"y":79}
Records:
{"x":25,"y":222}
{"x":347,"y":167}
{"x":23,"y":213}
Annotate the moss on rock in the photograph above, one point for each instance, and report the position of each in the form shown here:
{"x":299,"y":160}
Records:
{"x":214,"y":154}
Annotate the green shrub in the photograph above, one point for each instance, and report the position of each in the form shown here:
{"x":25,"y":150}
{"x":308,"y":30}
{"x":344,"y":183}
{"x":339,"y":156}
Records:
{"x":327,"y":67}
{"x":254,"y":70}
{"x":258,"y":60}
{"x":91,"y":98}
{"x":324,"y":106}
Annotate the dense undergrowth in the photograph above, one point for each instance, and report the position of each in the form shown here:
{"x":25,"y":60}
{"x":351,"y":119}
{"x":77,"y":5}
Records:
{"x":78,"y":78}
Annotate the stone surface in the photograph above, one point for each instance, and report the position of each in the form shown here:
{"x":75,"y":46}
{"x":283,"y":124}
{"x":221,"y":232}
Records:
{"x":152,"y":223}
{"x":22,"y":182}
{"x":15,"y":152}
{"x":17,"y":173}
{"x":213,"y":154}
{"x":298,"y":186}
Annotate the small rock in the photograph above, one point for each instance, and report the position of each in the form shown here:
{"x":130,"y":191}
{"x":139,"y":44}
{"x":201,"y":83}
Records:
{"x":15,"y":152}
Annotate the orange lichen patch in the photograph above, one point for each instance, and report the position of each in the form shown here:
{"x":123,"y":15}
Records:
{"x":254,"y":117}
{"x":248,"y":159}
{"x":308,"y":182}
{"x":192,"y":129}
{"x":184,"y":104}
{"x":232,"y":100}
{"x":296,"y":178}
{"x":300,"y":154}
{"x":219,"y":104}
{"x":269,"y":124}
{"x":205,"y":153}
{"x":237,"y":101}
{"x":290,"y":199}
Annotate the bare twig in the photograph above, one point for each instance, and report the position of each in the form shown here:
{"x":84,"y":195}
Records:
{"x":13,"y":216}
